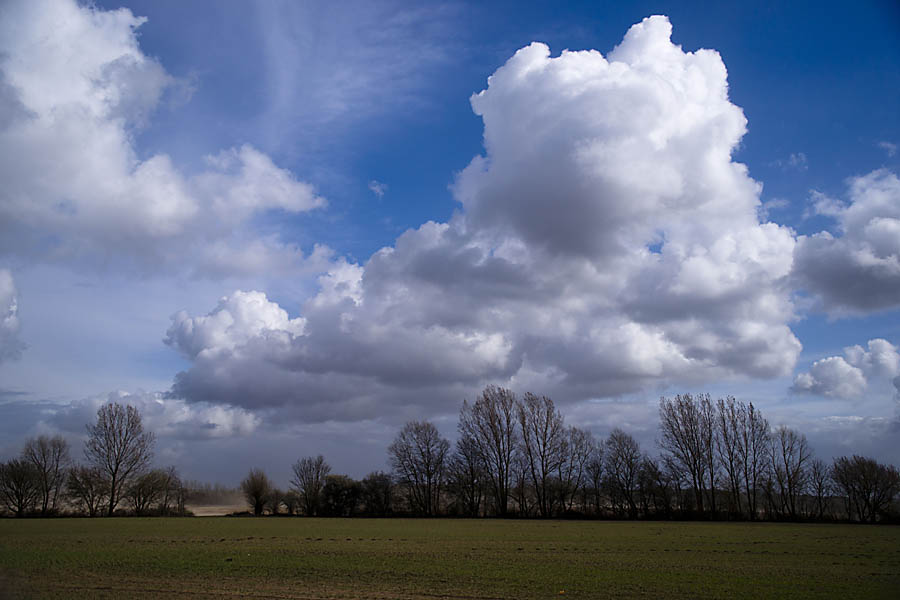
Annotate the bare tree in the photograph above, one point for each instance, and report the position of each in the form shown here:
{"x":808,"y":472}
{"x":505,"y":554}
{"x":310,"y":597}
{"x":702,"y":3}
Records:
{"x":491,"y":423}
{"x":50,"y":458}
{"x":87,"y":488}
{"x":753,"y":451}
{"x":790,"y":457}
{"x":173,"y":494}
{"x":595,"y":474}
{"x":821,"y":486}
{"x":687,"y":435}
{"x":521,"y":491}
{"x":572,"y":470}
{"x":19,"y":486}
{"x":728,"y":432}
{"x":340,"y":496}
{"x":377,"y":494}
{"x":870,"y":487}
{"x":256,"y":488}
{"x":308,"y":481}
{"x":145,"y":489}
{"x":275,"y":500}
{"x":466,"y":477}
{"x":118,"y":445}
{"x":291,"y":502}
{"x":543,"y":446}
{"x":418,"y":456}
{"x":623,"y":461}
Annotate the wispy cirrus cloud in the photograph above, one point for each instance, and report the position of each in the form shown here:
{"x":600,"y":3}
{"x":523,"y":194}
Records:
{"x":329,"y":66}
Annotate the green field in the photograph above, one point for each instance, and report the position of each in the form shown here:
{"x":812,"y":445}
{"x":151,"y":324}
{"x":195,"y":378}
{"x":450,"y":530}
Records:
{"x":360,"y":558}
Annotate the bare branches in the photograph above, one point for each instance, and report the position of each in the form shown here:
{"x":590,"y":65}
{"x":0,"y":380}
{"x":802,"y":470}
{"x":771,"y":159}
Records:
{"x":491,"y":423}
{"x":19,"y":486}
{"x":544,"y":446}
{"x":50,"y":458}
{"x":118,"y":445}
{"x":309,"y":480}
{"x":418,"y":456}
{"x":256,"y":487}
{"x":869,"y":487}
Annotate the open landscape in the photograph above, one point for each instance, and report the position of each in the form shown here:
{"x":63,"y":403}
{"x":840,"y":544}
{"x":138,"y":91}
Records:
{"x":451,"y":299}
{"x":421,"y":558}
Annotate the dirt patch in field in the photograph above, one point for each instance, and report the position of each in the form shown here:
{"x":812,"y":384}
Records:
{"x":216,"y":510}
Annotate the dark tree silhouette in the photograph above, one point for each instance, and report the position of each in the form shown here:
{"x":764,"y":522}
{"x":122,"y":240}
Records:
{"x":687,"y":434}
{"x":543,"y":446}
{"x":623,"y":462}
{"x":256,"y":488}
{"x":491,"y":423}
{"x":377,"y":494}
{"x":418,"y":456}
{"x":87,"y":487}
{"x":118,"y":445}
{"x":50,"y":458}
{"x":869,"y":486}
{"x":752,"y":447}
{"x":466,"y":477}
{"x":145,"y":489}
{"x":340,"y":496}
{"x":308,"y":481}
{"x":19,"y":486}
{"x":790,"y":459}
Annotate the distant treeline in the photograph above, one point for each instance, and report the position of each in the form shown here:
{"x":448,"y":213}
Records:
{"x":514,"y":457}
{"x":116,"y":478}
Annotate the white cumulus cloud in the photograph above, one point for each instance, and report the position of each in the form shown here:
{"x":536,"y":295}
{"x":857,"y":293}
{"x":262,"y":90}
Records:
{"x":607,"y":242}
{"x":849,"y":376}
{"x":237,"y":319}
{"x":75,"y":87}
{"x":859,"y":269}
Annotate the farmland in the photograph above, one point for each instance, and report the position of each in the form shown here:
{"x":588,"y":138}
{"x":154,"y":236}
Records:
{"x":400,"y":558}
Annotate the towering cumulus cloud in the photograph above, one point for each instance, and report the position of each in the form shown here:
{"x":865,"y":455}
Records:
{"x":74,"y":88}
{"x":606,"y":243}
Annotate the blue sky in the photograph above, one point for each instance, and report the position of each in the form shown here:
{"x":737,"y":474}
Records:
{"x":275,"y":148}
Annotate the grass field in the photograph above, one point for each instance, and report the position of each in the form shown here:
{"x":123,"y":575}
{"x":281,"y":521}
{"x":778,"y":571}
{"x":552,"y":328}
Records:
{"x":360,"y":558}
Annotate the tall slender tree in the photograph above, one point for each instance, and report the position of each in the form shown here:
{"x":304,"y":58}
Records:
{"x":543,"y":439}
{"x":492,"y":423}
{"x":752,"y":447}
{"x":728,"y":413}
{"x":623,"y":462}
{"x":684,"y":437}
{"x":790,"y":461}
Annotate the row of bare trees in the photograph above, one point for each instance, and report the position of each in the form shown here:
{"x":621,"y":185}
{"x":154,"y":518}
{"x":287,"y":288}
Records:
{"x":513,"y":456}
{"x":718,"y":460}
{"x":44,"y":480}
{"x":736,"y":464}
{"x":516,"y":456}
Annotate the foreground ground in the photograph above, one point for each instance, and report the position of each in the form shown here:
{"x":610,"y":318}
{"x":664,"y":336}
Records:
{"x":361,"y":558}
